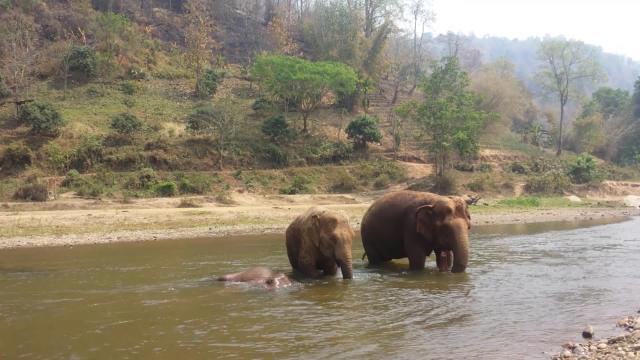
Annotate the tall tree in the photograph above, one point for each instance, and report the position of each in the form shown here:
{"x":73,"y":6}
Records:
{"x":421,"y":17}
{"x":449,"y":115}
{"x":18,"y":50}
{"x":566,"y":65}
{"x":197,"y":36}
{"x":636,"y":99}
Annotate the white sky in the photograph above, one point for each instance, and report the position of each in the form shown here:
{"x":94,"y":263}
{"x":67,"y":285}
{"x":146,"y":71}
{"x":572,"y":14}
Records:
{"x":613,"y":25}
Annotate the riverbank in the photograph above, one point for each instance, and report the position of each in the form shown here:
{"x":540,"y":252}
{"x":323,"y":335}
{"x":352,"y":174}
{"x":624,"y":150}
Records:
{"x":75,"y":222}
{"x":626,"y":346}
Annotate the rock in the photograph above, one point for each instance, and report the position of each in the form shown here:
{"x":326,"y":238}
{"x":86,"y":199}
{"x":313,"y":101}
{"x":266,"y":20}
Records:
{"x":593,"y":348}
{"x":578,"y":350}
{"x":587,"y":332}
{"x":566,"y":354}
{"x":602,"y":346}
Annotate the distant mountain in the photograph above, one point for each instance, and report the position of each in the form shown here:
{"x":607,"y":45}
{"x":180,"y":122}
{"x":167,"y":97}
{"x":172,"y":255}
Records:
{"x":621,"y":71}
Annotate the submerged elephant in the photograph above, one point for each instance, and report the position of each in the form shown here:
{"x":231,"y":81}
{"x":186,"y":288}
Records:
{"x":318,"y":242}
{"x":259,"y":276}
{"x":413,"y":224}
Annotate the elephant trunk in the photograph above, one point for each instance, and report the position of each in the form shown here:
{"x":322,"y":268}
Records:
{"x":460,"y":247}
{"x":346,"y":266}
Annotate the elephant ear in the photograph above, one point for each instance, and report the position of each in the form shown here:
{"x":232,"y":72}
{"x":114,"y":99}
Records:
{"x":315,"y":230}
{"x":462,"y":209}
{"x":424,"y":218}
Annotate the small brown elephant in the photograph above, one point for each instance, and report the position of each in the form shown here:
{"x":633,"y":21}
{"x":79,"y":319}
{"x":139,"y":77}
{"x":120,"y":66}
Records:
{"x":320,"y":240}
{"x":259,"y":276}
{"x":413,"y":224}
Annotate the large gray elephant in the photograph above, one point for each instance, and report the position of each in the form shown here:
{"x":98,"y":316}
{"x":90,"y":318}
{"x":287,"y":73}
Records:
{"x":413,"y":224}
{"x":320,"y":240}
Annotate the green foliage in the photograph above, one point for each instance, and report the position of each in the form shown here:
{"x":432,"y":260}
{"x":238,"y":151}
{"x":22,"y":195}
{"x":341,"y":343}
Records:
{"x":87,"y":154}
{"x":166,"y":189}
{"x":193,"y":184}
{"x":449,"y":115}
{"x":125,"y":123}
{"x":379,"y":171}
{"x":303,"y":82}
{"x":43,"y":118}
{"x":82,"y":62}
{"x":343,"y":182}
{"x":276,"y":129}
{"x":445,"y":184}
{"x":299,"y":185}
{"x":128,"y":88}
{"x":552,"y":182}
{"x":32,"y":192}
{"x":584,"y":169}
{"x":363,"y":130}
{"x":72,"y":178}
{"x":635,"y":102}
{"x":16,"y":157}
{"x":275,"y":155}
{"x":484,"y":182}
{"x":207,"y":84}
{"x":261,"y":104}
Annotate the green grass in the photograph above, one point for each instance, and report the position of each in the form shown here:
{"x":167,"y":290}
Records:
{"x":520,"y":202}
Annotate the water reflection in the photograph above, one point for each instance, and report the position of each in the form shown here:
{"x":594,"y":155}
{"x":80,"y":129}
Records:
{"x":523,"y":294}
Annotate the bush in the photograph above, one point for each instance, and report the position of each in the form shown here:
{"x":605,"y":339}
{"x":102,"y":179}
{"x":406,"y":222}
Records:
{"x":146,"y":178}
{"x":552,"y":182}
{"x":207,"y":85}
{"x":72,"y":178}
{"x":343,"y":182}
{"x":128,"y":88}
{"x":274,"y":155}
{"x":194,"y":184}
{"x":91,"y":189}
{"x":86,"y":155}
{"x":276,"y":129}
{"x":363,"y":130}
{"x":43,"y":118}
{"x":261,"y":104}
{"x":16,"y":157}
{"x":166,"y":189}
{"x":445,"y":184}
{"x":94,"y":92}
{"x":517,"y":167}
{"x":584,"y":170}
{"x":299,"y":185}
{"x":381,"y":182}
{"x":485,"y":168}
{"x":136,"y":73}
{"x":32,"y":192}
{"x":83,"y":64}
{"x":125,"y":123}
{"x":4,"y":90}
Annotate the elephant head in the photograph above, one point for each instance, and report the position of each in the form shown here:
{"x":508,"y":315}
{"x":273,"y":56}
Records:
{"x":333,"y":239}
{"x":447,"y":222}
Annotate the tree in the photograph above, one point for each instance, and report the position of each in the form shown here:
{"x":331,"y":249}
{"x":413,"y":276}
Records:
{"x":218,"y":120}
{"x":636,"y":99}
{"x":363,"y":130}
{"x":207,"y":85}
{"x":449,"y":115}
{"x":43,"y":118}
{"x":18,"y":44}
{"x":276,"y":129}
{"x":421,"y":18}
{"x":567,"y":64}
{"x":303,"y":82}
{"x":197,"y":39}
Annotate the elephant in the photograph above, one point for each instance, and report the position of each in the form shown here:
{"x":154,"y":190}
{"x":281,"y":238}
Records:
{"x":318,"y":242}
{"x":259,"y":276}
{"x":413,"y":224}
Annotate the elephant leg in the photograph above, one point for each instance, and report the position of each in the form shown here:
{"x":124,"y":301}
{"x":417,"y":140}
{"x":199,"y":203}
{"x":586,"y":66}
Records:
{"x":415,"y":252}
{"x":444,"y":260}
{"x":309,"y":269}
{"x":329,"y":267}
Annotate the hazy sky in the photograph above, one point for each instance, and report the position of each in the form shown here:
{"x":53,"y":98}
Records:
{"x":612,"y":24}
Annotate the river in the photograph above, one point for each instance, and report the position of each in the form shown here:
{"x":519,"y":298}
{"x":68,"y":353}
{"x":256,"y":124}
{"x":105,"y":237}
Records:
{"x":528,"y":289}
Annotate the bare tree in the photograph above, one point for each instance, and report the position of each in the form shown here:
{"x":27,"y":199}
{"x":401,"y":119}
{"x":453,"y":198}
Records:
{"x":197,"y":36}
{"x":566,"y":64}
{"x":421,"y":17}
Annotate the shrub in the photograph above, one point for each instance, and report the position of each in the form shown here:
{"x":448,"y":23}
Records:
{"x":552,"y":182}
{"x":72,"y":178}
{"x":363,"y":130}
{"x":485,"y":168}
{"x":128,"y":88}
{"x":147,"y":177}
{"x":83,"y":64}
{"x":136,"y":73}
{"x":91,"y":189}
{"x":274,"y":155}
{"x":276,"y":129}
{"x":517,"y":167}
{"x":16,"y":157}
{"x":194,"y":184}
{"x":343,"y":182}
{"x":381,"y":182}
{"x":125,"y":123}
{"x":300,"y":184}
{"x":4,"y":90}
{"x":94,"y":92}
{"x":43,"y":118}
{"x":166,"y":188}
{"x":87,"y":154}
{"x":584,"y":170}
{"x":207,"y":85}
{"x":32,"y":192}
{"x":261,"y":104}
{"x":341,"y":151}
{"x":188,"y":203}
{"x":445,"y":184}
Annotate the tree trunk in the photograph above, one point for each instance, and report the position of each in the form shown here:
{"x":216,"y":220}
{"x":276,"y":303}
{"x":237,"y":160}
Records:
{"x":305,"y":130}
{"x":559,"y":152}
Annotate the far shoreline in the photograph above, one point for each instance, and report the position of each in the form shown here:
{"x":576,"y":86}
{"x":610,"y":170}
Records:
{"x":29,"y":229}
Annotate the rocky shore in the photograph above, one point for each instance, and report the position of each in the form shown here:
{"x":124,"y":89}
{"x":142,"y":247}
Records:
{"x":626,"y":346}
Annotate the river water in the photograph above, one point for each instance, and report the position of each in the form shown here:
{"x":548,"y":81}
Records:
{"x":528,"y":288}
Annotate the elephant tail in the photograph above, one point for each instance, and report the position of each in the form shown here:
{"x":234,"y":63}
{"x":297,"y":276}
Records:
{"x":364,"y":256}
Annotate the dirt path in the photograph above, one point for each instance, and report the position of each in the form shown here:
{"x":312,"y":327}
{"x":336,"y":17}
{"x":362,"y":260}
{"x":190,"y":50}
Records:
{"x":75,"y":221}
